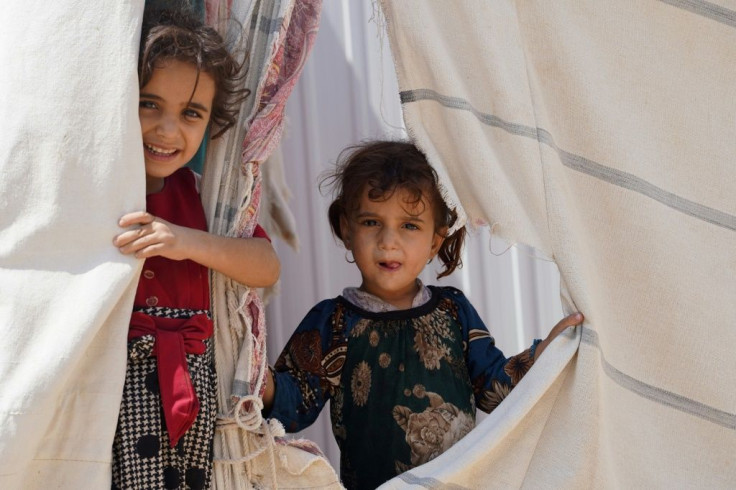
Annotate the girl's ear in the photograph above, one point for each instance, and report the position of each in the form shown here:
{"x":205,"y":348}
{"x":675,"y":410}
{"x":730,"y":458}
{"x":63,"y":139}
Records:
{"x":438,"y":239}
{"x":345,"y":232}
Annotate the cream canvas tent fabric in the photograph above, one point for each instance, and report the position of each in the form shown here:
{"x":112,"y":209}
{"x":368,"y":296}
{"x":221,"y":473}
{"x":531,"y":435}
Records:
{"x":70,"y":166}
{"x":603,"y":134}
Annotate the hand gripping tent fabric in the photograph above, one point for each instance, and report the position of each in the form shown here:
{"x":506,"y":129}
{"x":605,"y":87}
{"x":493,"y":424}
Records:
{"x":601,"y":133}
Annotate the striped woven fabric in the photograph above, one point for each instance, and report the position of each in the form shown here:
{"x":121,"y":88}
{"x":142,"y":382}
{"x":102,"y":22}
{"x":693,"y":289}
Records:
{"x":603,"y":134}
{"x":276,"y":36}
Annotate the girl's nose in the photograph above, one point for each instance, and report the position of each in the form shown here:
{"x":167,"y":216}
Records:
{"x":387,"y":239}
{"x":166,"y":126}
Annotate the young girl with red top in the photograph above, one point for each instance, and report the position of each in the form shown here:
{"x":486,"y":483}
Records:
{"x":188,"y":84}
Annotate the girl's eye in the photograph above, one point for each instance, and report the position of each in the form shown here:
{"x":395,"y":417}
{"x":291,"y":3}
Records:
{"x":192,"y":114}
{"x":147,"y":104}
{"x":411,"y":226}
{"x":369,"y":222}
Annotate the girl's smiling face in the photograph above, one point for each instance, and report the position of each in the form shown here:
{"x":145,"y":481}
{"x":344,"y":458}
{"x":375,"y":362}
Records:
{"x":174,"y":117}
{"x":391,"y":241}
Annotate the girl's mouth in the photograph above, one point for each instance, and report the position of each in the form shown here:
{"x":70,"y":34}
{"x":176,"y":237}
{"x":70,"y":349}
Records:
{"x":160,"y":153}
{"x":392,"y":266}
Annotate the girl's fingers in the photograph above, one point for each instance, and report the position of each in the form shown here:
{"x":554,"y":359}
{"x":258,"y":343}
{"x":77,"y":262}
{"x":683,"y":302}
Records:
{"x":127,"y":237}
{"x":131,"y":246}
{"x":136,"y":218}
{"x":149,"y":251}
{"x":571,"y":320}
{"x":152,"y":237}
{"x":567,"y":322}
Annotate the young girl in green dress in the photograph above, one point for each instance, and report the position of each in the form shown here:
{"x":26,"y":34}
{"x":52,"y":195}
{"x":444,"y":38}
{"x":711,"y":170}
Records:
{"x":404,"y":364}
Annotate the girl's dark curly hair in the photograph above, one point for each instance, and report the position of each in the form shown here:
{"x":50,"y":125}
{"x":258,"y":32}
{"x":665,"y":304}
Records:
{"x":385,"y":166}
{"x":179,"y":35}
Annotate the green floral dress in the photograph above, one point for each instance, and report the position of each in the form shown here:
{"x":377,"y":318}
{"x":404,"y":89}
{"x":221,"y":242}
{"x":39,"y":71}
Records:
{"x":403,"y":385}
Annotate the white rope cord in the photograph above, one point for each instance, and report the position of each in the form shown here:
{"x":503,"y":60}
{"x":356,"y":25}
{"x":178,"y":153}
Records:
{"x":246,"y":413}
{"x":270,"y":430}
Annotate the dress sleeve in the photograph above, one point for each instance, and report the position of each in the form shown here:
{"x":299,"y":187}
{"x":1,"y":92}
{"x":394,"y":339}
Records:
{"x":492,"y":374}
{"x":301,"y":381}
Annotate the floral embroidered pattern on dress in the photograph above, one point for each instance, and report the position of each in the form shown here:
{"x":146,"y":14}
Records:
{"x":360,"y":383}
{"x":518,"y":366}
{"x":433,"y":431}
{"x":491,"y":398}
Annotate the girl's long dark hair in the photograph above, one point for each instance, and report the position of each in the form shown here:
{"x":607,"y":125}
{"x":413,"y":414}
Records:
{"x":383,"y":167}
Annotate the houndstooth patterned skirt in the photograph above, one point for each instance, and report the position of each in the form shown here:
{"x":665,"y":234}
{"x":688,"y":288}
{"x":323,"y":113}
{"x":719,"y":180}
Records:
{"x":142,"y":456}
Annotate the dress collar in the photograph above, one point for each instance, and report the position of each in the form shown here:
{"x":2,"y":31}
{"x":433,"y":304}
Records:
{"x":374,"y":304}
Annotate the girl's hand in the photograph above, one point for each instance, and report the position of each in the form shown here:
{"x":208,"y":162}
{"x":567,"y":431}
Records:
{"x":568,"y":321}
{"x":250,"y":261}
{"x":153,"y":237}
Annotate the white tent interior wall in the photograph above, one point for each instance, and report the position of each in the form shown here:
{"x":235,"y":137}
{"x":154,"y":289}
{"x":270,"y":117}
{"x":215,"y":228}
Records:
{"x":348,"y":93}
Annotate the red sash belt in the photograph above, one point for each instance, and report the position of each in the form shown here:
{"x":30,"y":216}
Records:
{"x":175,"y":338}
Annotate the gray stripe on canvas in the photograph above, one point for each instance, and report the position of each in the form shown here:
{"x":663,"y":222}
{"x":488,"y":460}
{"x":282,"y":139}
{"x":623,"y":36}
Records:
{"x":706,"y":9}
{"x":658,"y":395}
{"x":580,"y":163}
{"x":428,"y":482}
